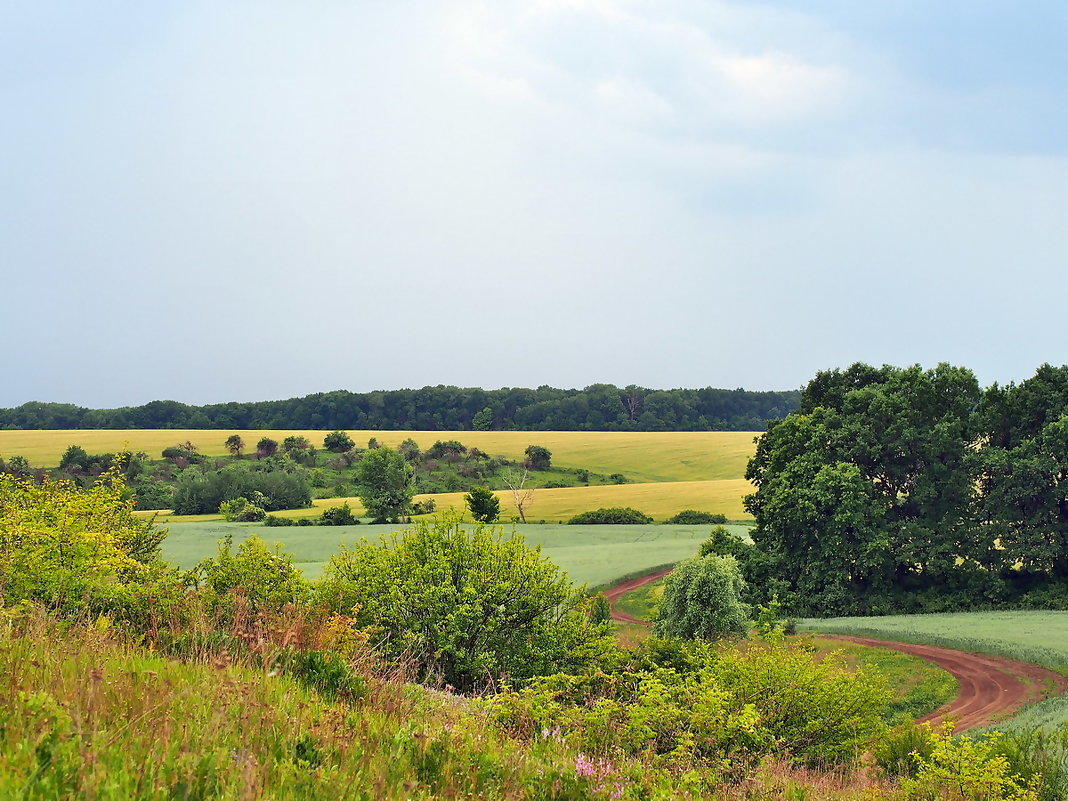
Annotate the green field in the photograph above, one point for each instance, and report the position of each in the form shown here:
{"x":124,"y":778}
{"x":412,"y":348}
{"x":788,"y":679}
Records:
{"x":591,"y":555}
{"x":1040,"y":637}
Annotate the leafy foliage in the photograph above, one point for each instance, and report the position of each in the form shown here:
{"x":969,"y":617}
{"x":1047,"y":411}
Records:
{"x":702,"y":598}
{"x":694,"y":518}
{"x":338,"y":442}
{"x":385,"y":484}
{"x":467,"y":607}
{"x":76,"y":549}
{"x":202,"y":492}
{"x":611,"y":516}
{"x":485,"y":506}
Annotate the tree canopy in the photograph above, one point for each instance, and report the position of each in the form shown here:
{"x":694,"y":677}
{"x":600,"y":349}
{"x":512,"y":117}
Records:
{"x":385,"y":484}
{"x":902,"y":488}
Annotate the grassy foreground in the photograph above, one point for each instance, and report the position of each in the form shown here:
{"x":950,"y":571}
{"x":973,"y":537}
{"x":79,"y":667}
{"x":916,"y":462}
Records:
{"x":641,"y":456}
{"x":592,"y":555}
{"x":99,"y":719}
{"x":1030,"y":636}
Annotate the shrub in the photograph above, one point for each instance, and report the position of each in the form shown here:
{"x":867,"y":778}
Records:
{"x":81,"y":550}
{"x":693,"y":518}
{"x":275,"y":520}
{"x":424,"y":507}
{"x":485,"y":506}
{"x":702,"y":598}
{"x":611,"y":516}
{"x":266,"y":578}
{"x":467,"y":607}
{"x":338,"y":516}
{"x":538,"y":458}
{"x":686,"y":705}
{"x":241,"y":510}
{"x":338,"y":442}
{"x":963,"y":769}
{"x":203,"y":492}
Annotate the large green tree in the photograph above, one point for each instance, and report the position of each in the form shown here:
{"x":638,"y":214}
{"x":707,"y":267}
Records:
{"x":385,"y":487}
{"x":1025,"y":472}
{"x":466,"y":606}
{"x":867,"y":493}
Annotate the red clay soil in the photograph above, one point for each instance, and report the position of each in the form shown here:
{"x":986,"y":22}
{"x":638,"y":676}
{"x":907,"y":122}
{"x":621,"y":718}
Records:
{"x":989,"y":688}
{"x":627,"y":586}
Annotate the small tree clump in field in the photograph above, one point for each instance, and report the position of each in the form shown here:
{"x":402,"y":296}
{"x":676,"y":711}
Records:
{"x":702,"y":598}
{"x":485,"y":506}
{"x":538,"y":458}
{"x":242,"y":510}
{"x":338,"y":442}
{"x":266,"y":447}
{"x":235,"y":444}
{"x":691,"y":517}
{"x":611,"y":516}
{"x":338,"y":516}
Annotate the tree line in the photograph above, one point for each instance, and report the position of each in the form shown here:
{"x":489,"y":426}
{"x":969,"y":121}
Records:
{"x":598,"y":407}
{"x":899,"y":490}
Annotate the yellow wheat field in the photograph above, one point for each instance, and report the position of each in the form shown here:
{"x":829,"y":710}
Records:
{"x":659,"y":501}
{"x":640,"y":456}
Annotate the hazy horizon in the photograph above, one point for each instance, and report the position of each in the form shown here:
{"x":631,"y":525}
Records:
{"x":212,"y":201}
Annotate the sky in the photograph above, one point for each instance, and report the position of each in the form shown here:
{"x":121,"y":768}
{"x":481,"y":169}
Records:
{"x":215,"y":200}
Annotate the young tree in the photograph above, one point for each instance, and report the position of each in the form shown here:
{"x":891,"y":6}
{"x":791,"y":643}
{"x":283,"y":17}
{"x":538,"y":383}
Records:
{"x":266,"y":447}
{"x":385,"y":484}
{"x":484,"y":505}
{"x":235,"y":444}
{"x":467,"y":607}
{"x":338,"y":442}
{"x":702,"y":598}
{"x":521,"y":494}
{"x":538,"y":458}
{"x":483,"y":420}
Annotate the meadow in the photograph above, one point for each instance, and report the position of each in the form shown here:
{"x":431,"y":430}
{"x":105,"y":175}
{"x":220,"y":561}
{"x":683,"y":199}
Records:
{"x":642,"y":457}
{"x":591,"y":555}
{"x":659,"y":501}
{"x":1030,"y":636}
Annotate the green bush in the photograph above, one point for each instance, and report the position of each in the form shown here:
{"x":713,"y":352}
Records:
{"x":693,"y":518}
{"x":265,"y":577}
{"x":275,"y":520}
{"x":688,"y":705}
{"x":338,"y":516}
{"x":203,"y":492}
{"x":465,"y":606}
{"x":241,"y":510}
{"x":702,"y":598}
{"x":611,"y":516}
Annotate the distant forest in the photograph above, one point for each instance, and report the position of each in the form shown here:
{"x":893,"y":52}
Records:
{"x":599,"y":407}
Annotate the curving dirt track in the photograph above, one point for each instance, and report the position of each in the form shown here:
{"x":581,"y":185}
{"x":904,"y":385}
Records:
{"x":627,"y":586}
{"x":989,"y":688}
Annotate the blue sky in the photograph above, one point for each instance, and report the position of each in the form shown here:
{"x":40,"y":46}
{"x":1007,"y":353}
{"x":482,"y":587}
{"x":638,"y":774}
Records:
{"x":214,"y":201}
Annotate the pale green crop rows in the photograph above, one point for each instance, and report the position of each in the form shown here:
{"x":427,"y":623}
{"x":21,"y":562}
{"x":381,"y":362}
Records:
{"x":591,"y":555}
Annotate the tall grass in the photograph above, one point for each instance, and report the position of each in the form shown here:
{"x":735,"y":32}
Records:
{"x":85,"y":715}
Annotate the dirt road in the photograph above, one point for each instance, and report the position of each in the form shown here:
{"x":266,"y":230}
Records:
{"x":990,"y":688}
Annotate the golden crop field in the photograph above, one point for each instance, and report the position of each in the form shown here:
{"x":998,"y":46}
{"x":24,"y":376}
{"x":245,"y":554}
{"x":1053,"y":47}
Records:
{"x":640,"y":456}
{"x":658,"y":500}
